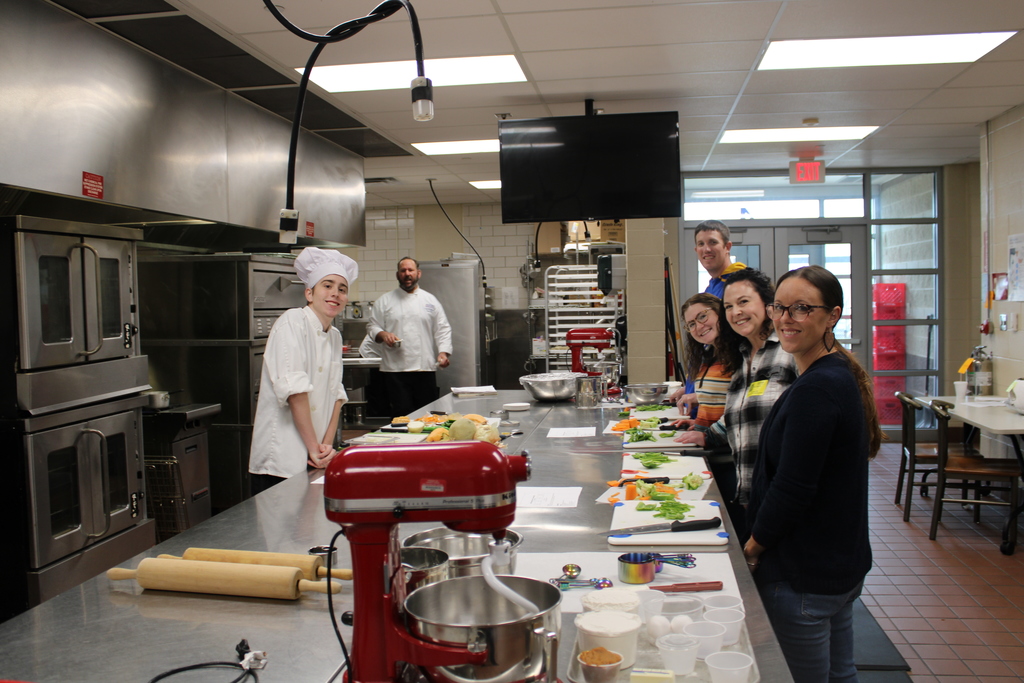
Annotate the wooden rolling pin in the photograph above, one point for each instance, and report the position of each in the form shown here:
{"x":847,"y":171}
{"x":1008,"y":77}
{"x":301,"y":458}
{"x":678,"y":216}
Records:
{"x":312,"y":566}
{"x":221,"y":578}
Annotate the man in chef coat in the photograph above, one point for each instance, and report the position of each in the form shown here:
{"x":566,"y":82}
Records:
{"x":415,"y":337}
{"x":301,"y":390}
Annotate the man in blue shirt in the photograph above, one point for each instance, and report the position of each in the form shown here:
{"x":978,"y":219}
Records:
{"x":712,"y":244}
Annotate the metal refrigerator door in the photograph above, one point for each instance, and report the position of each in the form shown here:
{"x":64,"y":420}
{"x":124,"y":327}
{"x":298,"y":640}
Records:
{"x":458,"y":287}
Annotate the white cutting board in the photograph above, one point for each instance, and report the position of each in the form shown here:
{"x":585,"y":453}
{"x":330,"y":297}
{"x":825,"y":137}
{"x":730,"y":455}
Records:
{"x":671,"y":412}
{"x":382,"y":438}
{"x":682,"y":466}
{"x":625,"y":514}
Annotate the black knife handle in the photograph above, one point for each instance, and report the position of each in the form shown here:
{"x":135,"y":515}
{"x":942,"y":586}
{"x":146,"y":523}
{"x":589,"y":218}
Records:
{"x":697,"y":524}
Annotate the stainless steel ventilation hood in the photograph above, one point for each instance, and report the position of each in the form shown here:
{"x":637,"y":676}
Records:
{"x":190,"y":163}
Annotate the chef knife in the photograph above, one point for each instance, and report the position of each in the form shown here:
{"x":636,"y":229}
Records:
{"x":692,"y":525}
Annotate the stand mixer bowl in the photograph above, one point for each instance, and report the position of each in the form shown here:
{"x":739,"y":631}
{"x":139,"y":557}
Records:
{"x":467,"y":612}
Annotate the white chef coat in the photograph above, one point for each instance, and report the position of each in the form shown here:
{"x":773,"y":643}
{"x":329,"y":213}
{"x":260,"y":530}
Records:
{"x":300,"y":359}
{"x":419,"y":321}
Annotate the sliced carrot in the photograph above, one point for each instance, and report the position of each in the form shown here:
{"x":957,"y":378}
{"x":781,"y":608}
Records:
{"x":614,"y":499}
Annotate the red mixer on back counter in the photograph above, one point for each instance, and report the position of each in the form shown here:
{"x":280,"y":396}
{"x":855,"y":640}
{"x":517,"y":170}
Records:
{"x":369,"y":490}
{"x":577,"y":339}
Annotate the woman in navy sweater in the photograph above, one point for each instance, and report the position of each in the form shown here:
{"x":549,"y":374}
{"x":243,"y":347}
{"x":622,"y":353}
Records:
{"x":808,"y":512}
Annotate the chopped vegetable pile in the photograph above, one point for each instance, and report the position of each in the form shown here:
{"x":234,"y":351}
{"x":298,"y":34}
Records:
{"x":644,"y":409}
{"x":653,"y":460}
{"x":636,"y":435}
{"x":668,"y":509}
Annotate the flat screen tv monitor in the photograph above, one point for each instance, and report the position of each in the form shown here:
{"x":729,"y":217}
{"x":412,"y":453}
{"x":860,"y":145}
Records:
{"x":607,"y":166}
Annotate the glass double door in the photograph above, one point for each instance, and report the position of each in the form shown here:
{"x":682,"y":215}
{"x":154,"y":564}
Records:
{"x":841,"y":249}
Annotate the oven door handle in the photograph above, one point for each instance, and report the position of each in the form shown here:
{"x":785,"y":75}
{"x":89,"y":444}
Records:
{"x":99,"y":301}
{"x":105,"y":478}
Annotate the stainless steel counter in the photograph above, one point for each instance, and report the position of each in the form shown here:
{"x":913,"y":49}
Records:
{"x":104,"y":630}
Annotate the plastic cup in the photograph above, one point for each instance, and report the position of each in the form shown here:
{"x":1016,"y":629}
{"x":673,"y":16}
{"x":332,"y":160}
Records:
{"x":650,"y":603}
{"x":678,"y":652}
{"x":600,"y":673}
{"x":732,"y":619}
{"x":729,"y":667}
{"x":961,"y":391}
{"x":686,"y":605}
{"x":708,"y":634}
{"x":723,"y":601}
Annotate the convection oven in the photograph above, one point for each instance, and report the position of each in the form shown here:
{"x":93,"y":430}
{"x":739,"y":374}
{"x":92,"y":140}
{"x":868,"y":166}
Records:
{"x":72,"y":497}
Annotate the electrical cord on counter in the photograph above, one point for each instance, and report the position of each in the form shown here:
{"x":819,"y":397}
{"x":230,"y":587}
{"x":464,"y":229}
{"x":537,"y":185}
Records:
{"x":330,"y":604}
{"x":483,"y":268}
{"x":251,"y":660}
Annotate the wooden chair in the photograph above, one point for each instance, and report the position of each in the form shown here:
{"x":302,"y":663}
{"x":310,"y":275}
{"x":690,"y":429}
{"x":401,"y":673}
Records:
{"x":913,"y":455}
{"x":970,"y":473}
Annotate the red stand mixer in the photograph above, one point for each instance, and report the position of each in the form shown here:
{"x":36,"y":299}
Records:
{"x":599,"y":338}
{"x":469,"y":486}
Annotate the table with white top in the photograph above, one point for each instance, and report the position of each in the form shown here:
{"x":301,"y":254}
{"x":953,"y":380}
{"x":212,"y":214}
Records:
{"x":996,"y":418}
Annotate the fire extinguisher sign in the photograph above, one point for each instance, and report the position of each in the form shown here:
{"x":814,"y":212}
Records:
{"x":310,"y":229}
{"x":92,"y":185}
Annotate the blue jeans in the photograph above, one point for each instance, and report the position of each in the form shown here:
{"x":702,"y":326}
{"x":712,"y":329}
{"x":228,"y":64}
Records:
{"x":814,"y":631}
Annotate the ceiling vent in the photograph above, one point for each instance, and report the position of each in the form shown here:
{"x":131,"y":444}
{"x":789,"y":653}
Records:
{"x":380,"y":181}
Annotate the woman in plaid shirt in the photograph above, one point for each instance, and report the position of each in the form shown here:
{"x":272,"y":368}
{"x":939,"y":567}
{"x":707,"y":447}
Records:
{"x":766,"y":371}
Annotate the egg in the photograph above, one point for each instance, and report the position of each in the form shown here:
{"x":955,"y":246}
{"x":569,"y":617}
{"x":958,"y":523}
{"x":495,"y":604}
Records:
{"x":658,"y":626}
{"x":680,"y":622}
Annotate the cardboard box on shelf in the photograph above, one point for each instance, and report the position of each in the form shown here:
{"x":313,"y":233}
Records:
{"x":550,"y":238}
{"x":612,"y":231}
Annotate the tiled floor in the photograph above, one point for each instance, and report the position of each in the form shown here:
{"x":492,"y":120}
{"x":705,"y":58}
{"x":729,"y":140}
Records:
{"x":953,"y":606}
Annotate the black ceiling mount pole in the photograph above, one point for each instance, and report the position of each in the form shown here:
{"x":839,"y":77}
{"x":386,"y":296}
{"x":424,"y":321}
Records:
{"x":588,"y":107}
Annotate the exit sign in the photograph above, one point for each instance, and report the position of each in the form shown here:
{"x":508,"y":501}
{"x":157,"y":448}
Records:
{"x":806,"y":172}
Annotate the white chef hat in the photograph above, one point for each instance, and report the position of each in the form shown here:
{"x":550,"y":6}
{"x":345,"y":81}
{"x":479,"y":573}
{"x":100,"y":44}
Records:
{"x":314,"y":264}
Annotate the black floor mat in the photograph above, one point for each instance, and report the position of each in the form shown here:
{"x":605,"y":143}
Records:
{"x":872,"y":649}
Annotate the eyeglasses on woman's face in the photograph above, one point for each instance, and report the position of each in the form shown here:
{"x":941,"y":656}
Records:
{"x":797,"y":312}
{"x":700,"y":319}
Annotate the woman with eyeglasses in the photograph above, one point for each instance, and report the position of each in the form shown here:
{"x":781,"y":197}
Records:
{"x":710,"y":362}
{"x":808,"y":512}
{"x":764,"y":372}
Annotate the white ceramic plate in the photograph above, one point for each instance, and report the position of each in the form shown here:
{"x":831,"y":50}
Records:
{"x":516,"y":406}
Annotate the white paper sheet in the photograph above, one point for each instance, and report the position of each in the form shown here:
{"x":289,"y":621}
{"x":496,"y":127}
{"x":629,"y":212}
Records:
{"x":547,"y":496}
{"x":571,"y":432}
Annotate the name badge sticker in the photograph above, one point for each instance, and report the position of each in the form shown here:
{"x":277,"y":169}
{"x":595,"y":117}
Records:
{"x":758,"y":388}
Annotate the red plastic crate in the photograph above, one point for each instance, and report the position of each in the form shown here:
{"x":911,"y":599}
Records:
{"x":890,"y":340}
{"x":889,"y":300}
{"x":889,"y":411}
{"x":885,"y":387}
{"x":889,"y":361}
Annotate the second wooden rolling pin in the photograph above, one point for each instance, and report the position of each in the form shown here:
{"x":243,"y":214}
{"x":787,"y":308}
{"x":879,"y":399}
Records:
{"x":312,"y":566}
{"x":221,"y":578}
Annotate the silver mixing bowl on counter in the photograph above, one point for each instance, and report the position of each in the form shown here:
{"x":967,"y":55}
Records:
{"x":465,"y":551}
{"x":646,"y":394}
{"x":551,"y":386}
{"x":521,"y":647}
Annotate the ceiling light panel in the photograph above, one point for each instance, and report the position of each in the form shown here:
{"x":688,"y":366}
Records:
{"x":486,"y":184}
{"x":881,"y":51}
{"x":457,"y":147}
{"x":396,"y":75}
{"x":808,"y":134}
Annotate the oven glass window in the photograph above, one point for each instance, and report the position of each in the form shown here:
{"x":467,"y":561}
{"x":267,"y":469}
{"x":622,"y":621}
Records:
{"x":117,"y":470}
{"x":110,"y":283}
{"x":62,"y":474}
{"x":55,"y":298}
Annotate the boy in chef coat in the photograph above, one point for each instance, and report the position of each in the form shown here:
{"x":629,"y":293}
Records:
{"x":301,"y":392}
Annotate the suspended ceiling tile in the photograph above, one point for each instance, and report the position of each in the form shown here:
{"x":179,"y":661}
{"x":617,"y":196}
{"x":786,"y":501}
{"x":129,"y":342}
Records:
{"x":801,"y":103}
{"x":982,"y":74}
{"x":643,"y":25}
{"x":606,"y":62}
{"x":975,"y":115}
{"x":1006,"y":96}
{"x":794,"y":119}
{"x":830,"y":19}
